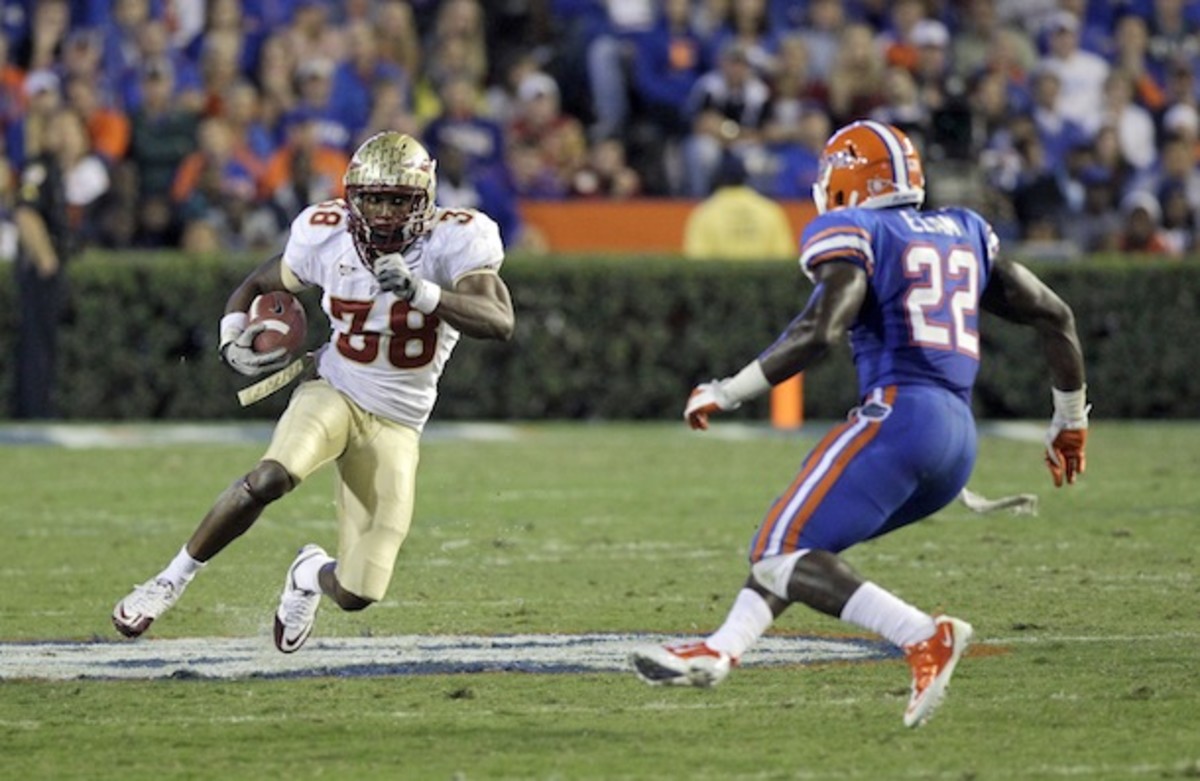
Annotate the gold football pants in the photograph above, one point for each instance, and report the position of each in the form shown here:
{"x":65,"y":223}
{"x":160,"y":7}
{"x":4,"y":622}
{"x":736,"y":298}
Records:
{"x":376,"y":478}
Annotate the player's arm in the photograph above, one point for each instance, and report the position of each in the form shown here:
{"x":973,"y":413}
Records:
{"x":271,"y":274}
{"x":236,"y":340}
{"x":480,"y":306}
{"x":1016,"y":294}
{"x":830,"y":311}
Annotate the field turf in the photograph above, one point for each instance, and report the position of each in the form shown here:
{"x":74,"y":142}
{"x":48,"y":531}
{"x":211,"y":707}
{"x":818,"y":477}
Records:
{"x":1088,"y":617}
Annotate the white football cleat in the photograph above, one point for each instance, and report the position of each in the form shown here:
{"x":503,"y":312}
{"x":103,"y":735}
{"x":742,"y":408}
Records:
{"x":136,"y":612}
{"x":690,"y":664}
{"x":932,"y":663}
{"x":297,"y":607}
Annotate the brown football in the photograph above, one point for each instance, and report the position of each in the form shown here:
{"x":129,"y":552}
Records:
{"x":287,"y":324}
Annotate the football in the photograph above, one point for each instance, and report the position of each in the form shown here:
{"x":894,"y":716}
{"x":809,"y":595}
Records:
{"x":287,"y":324}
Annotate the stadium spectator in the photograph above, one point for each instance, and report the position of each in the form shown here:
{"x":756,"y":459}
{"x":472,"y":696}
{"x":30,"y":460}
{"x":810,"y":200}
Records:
{"x":728,"y":107}
{"x":355,"y":80}
{"x":668,"y":60}
{"x":12,"y":92}
{"x":154,"y":45}
{"x":214,"y":194}
{"x":461,"y":125}
{"x":1135,"y":126}
{"x":1142,"y":232}
{"x":902,"y":106}
{"x":541,"y":125}
{"x":304,"y":170}
{"x":391,"y":109}
{"x":1131,"y":41}
{"x":459,"y":28}
{"x":609,"y":62}
{"x":312,"y":33}
{"x":1080,"y":73}
{"x":822,"y":36}
{"x":749,"y":28}
{"x":1178,"y":219}
{"x":606,"y":173}
{"x":243,"y":110}
{"x":1096,"y":225}
{"x":162,"y":134}
{"x":1058,"y":133}
{"x":49,"y":24}
{"x":122,"y":55}
{"x":276,"y":81}
{"x":1176,"y":167}
{"x":25,"y":136}
{"x":793,"y":91}
{"x":737,"y":223}
{"x":896,"y":39}
{"x":399,"y":39}
{"x":219,"y":68}
{"x":856,"y":81}
{"x":314,"y":79}
{"x":1172,"y":35}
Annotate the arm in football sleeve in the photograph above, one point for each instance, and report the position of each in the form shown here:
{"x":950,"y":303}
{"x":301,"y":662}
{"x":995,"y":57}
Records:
{"x":1016,"y":294}
{"x":236,"y":343}
{"x":829,"y":313}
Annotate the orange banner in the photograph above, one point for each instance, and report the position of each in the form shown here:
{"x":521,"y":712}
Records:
{"x":652,"y":226}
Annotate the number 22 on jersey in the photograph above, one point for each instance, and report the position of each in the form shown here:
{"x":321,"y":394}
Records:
{"x":943,"y":297}
{"x":411,"y":344}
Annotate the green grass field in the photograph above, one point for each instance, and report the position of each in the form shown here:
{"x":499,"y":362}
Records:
{"x":1088,"y":617}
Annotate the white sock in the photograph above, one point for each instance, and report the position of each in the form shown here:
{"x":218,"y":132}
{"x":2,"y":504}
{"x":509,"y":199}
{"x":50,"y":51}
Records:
{"x":749,"y":617}
{"x":883,"y":612}
{"x":182,"y":568}
{"x":308,"y":574}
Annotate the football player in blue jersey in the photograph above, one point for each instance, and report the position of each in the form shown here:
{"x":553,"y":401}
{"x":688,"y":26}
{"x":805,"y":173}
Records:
{"x":907,"y":287}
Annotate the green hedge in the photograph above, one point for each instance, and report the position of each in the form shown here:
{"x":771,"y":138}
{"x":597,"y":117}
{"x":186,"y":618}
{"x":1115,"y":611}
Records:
{"x":604,"y":338}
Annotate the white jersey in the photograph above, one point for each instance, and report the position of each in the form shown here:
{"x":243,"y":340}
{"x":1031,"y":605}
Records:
{"x":382,"y":353}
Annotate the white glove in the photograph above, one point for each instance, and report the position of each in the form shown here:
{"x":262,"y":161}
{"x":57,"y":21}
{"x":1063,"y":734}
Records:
{"x":395,"y":277}
{"x":726,"y":394}
{"x":237,"y":347}
{"x":707,"y":398}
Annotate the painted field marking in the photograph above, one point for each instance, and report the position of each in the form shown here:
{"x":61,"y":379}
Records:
{"x":234,"y":658}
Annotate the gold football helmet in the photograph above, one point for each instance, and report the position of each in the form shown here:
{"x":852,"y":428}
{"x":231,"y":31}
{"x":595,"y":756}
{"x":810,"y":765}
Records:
{"x":391,"y":185}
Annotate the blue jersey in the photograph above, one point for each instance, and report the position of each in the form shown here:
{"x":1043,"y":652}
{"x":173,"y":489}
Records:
{"x":919,"y":324}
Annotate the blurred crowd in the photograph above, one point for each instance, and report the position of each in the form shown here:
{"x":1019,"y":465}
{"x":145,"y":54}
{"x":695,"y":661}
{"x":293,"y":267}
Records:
{"x":1072,"y":125}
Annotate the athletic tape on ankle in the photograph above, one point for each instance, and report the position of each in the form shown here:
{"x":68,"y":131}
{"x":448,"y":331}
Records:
{"x":774,"y":572}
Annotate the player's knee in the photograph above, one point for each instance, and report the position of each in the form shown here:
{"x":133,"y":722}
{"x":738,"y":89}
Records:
{"x":268,"y":481}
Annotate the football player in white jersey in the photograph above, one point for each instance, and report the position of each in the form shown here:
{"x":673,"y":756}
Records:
{"x":401,"y":280}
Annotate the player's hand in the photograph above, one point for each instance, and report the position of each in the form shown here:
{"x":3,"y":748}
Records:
{"x":238,"y":352}
{"x":394,"y":276}
{"x":706,"y":398}
{"x":1065,"y":456}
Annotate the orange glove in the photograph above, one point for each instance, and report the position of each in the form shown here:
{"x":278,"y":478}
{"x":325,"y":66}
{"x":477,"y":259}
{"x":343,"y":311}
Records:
{"x":1065,"y":457}
{"x":1067,"y":436}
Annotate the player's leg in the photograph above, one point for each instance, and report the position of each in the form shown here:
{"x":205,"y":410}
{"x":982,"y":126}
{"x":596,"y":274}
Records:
{"x":311,"y":432}
{"x":773,"y":550}
{"x":375,"y":489}
{"x":375,"y":496}
{"x":936,"y":437}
